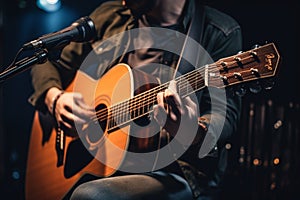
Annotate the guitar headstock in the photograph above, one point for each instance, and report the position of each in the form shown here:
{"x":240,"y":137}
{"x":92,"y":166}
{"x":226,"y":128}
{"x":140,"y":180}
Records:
{"x":256,"y":64}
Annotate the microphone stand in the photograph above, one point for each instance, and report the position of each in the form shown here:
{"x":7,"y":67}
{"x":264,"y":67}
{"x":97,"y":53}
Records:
{"x":40,"y":57}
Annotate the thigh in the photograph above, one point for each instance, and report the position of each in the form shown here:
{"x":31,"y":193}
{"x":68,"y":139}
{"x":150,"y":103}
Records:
{"x":155,"y":185}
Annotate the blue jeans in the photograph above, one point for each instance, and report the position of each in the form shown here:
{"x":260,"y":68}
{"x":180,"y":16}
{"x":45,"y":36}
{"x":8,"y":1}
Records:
{"x":155,"y":186}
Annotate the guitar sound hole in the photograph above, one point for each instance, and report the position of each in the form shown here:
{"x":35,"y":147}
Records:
{"x":102,"y":112}
{"x":98,"y":127}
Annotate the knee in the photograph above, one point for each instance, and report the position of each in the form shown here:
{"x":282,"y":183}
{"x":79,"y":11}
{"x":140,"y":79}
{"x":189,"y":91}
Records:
{"x":83,"y":191}
{"x":93,"y":190}
{"x":90,"y":191}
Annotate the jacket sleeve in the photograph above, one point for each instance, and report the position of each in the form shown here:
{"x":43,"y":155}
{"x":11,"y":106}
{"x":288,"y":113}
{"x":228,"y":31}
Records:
{"x":220,"y":108}
{"x":56,"y":73}
{"x":59,"y":73}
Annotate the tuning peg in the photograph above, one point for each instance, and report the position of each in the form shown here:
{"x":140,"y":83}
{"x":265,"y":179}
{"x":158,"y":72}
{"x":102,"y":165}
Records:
{"x":240,"y":91}
{"x":255,"y":87}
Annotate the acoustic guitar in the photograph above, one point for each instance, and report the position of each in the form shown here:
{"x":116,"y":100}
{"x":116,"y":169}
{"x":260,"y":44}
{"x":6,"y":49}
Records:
{"x":58,"y":161}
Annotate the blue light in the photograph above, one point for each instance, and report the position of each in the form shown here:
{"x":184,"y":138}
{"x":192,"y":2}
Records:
{"x":49,"y":5}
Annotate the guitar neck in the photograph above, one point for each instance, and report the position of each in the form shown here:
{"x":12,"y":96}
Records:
{"x":251,"y":65}
{"x":142,"y":104}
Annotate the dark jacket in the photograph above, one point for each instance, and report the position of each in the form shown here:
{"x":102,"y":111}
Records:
{"x":221,"y":37}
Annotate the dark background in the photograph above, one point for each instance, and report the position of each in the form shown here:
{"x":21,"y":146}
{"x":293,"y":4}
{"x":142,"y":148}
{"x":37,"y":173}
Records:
{"x":259,"y":138}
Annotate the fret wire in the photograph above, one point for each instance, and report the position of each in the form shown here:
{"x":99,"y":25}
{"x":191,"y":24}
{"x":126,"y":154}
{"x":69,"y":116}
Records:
{"x":137,"y":101}
{"x":138,"y":108}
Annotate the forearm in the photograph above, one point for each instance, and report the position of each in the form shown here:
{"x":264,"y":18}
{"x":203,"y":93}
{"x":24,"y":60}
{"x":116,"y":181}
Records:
{"x":218,"y":121}
{"x":48,"y":75}
{"x":44,"y":77}
{"x":52,"y":95}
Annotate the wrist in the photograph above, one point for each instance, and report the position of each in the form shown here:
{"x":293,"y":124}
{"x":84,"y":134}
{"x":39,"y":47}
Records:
{"x":51,"y":98}
{"x":203,"y":123}
{"x":202,"y":130}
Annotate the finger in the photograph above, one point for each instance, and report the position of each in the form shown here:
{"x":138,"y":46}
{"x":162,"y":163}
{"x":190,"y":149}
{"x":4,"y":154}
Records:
{"x":78,"y":98}
{"x":160,"y":115}
{"x":173,"y":86}
{"x":174,"y":101}
{"x":190,"y":103}
{"x":160,"y":110}
{"x":172,"y":93}
{"x":80,"y":110}
{"x":63,"y":122}
{"x":70,"y":117}
{"x":161,"y":100}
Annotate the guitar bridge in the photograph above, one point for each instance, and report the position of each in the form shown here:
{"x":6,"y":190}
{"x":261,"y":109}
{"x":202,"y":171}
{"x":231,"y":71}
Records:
{"x":60,"y":146}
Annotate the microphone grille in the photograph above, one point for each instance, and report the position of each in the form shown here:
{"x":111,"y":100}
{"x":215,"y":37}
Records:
{"x":86,"y":28}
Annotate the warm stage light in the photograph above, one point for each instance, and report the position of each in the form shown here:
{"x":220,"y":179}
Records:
{"x":49,"y":5}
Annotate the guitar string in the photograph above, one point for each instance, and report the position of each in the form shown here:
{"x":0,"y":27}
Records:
{"x":135,"y":108}
{"x":143,"y":108}
{"x":136,"y":104}
{"x":187,"y":79}
{"x":192,"y":73}
{"x":136,"y":101}
{"x":114,"y":114}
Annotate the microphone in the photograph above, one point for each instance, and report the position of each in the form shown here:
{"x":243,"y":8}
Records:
{"x":82,"y":30}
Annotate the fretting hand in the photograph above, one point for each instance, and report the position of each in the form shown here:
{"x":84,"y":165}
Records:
{"x":174,"y":113}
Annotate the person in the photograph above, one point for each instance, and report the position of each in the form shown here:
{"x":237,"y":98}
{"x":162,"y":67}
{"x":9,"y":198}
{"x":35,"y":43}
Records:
{"x":189,"y":176}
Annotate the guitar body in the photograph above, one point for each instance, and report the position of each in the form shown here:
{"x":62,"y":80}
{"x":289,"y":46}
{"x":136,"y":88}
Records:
{"x":99,"y":154}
